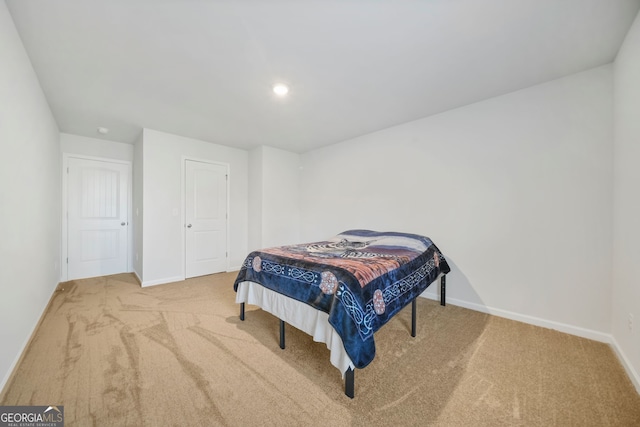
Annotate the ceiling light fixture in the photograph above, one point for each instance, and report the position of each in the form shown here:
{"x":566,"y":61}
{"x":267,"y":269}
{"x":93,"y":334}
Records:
{"x":280,"y":89}
{"x":103,"y":131}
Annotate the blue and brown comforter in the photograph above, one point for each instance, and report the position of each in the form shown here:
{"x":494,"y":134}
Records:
{"x":361,"y":278}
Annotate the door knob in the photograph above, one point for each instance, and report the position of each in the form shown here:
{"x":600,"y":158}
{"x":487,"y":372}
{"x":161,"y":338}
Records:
{"x":123,"y":223}
{"x":189,"y":226}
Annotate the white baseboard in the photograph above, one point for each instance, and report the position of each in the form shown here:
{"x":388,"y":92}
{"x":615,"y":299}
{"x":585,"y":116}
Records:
{"x":633,"y":374}
{"x":531,"y":320}
{"x":169,"y":279}
{"x":18,"y":357}
{"x":137,"y":277}
{"x":161,"y":281}
{"x":549,"y":324}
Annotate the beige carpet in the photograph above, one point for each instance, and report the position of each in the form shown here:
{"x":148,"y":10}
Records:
{"x":114,"y":353}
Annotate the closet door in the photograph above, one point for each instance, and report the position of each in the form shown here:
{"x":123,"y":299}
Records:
{"x":206,"y":218}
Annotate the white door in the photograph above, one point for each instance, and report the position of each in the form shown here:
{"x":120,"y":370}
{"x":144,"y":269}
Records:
{"x":205,"y":218}
{"x":97,"y":218}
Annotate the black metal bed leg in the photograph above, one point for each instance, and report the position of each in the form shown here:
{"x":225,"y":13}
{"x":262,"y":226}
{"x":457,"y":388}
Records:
{"x":443,"y":289}
{"x":241,"y":311}
{"x":282,"y":334}
{"x":413,"y":317}
{"x":349,"y":379}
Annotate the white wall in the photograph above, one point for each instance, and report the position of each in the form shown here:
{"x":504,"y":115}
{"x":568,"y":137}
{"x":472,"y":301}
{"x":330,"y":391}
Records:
{"x":138,"y":207}
{"x":626,"y":250}
{"x":29,"y":198}
{"x":274,"y":212}
{"x":94,"y":147}
{"x":163,"y":232}
{"x":280,"y":197}
{"x":515,"y":190}
{"x":255,"y":198}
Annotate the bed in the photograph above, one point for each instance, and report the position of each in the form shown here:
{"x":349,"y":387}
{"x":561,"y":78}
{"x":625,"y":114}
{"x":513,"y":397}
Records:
{"x":342,"y":290}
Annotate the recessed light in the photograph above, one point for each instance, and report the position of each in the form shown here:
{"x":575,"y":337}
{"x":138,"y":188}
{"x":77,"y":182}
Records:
{"x":280,"y":89}
{"x":103,"y":131}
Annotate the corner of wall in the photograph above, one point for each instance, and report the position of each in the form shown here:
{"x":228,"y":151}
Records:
{"x":626,"y":364}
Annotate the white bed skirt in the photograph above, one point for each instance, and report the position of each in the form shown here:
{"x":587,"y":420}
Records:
{"x":302,"y":316}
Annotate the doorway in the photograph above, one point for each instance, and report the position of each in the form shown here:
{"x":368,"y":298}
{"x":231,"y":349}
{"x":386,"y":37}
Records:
{"x":96,"y":224}
{"x":206,"y":217}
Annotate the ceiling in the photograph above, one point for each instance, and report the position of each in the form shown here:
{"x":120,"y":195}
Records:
{"x":204,"y":69}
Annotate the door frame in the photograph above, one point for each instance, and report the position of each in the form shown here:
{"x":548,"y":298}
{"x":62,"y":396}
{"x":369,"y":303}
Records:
{"x":64,"y":217}
{"x":183,"y":202}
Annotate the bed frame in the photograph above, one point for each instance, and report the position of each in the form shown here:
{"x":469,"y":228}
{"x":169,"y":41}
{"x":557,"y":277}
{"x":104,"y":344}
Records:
{"x":349,"y":375}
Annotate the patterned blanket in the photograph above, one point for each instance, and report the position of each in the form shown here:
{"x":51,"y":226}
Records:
{"x":361,"y":278}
